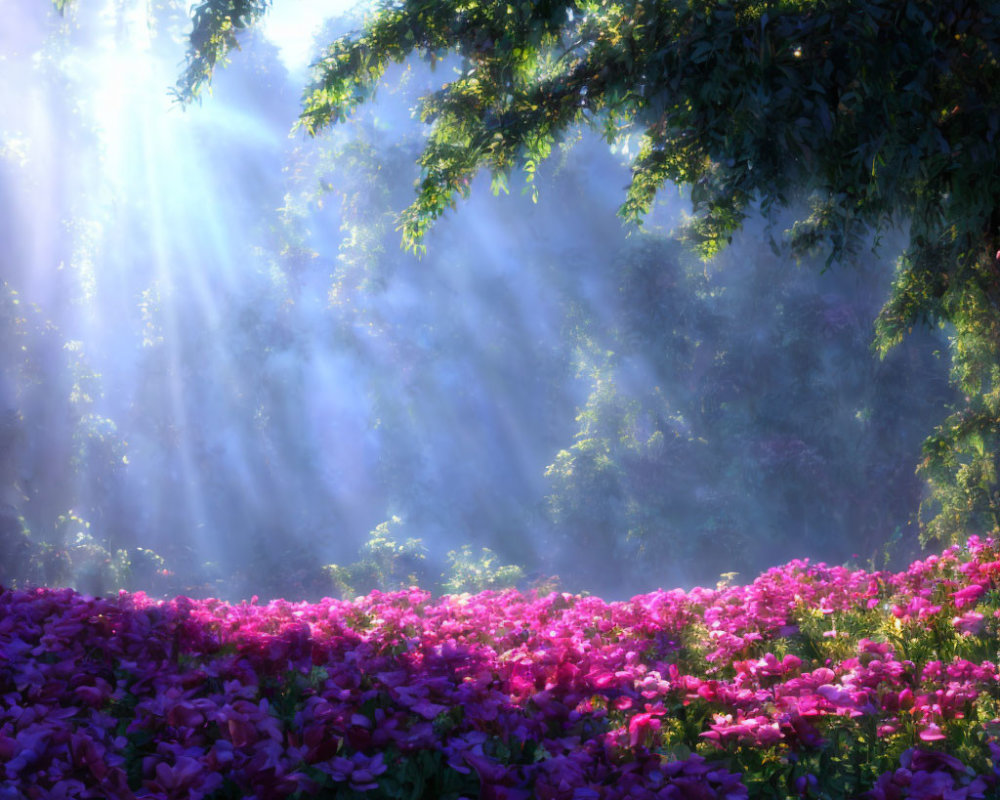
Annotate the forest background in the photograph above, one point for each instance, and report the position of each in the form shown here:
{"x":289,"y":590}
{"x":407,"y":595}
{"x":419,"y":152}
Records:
{"x":221,"y":374}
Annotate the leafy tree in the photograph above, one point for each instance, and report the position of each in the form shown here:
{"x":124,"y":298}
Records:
{"x":873,"y":112}
{"x":736,"y":417}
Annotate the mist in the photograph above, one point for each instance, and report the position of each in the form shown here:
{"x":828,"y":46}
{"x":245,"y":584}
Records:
{"x":221,"y":375}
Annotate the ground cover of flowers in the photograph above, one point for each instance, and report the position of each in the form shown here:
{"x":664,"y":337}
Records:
{"x":812,"y":681}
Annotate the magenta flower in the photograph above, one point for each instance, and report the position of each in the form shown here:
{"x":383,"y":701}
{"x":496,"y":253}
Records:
{"x":968,"y":595}
{"x":642,"y":728}
{"x":549,"y":698}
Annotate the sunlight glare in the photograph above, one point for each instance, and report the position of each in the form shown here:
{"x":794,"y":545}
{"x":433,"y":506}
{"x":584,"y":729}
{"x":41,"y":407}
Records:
{"x":292,"y":26}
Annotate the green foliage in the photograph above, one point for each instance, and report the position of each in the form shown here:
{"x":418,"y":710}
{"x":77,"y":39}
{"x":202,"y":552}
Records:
{"x":740,"y":101}
{"x":960,"y":458}
{"x":74,"y":554}
{"x":214,"y":33}
{"x":960,"y":463}
{"x":385,"y":564}
{"x":467,"y":573}
{"x":16,"y":549}
{"x":425,"y":773}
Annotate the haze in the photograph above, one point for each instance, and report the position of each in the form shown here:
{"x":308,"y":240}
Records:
{"x":221,"y":373}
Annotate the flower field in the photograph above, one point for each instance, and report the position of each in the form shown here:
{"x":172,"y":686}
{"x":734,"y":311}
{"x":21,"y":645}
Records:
{"x":812,"y":681}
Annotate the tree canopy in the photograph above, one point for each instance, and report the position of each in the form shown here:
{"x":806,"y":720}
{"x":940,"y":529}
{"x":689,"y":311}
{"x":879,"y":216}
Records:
{"x":867,"y":112}
{"x":875,"y":108}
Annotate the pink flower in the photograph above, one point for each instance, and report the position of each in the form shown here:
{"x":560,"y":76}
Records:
{"x":932,"y":733}
{"x":970,"y":623}
{"x":836,"y":695}
{"x":643,"y":727}
{"x":969,"y":595}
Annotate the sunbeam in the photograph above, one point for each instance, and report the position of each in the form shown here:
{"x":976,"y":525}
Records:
{"x":226,"y":378}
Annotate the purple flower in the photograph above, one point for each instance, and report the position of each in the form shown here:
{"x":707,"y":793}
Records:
{"x":805,"y":784}
{"x":930,"y":761}
{"x":359,"y":770}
